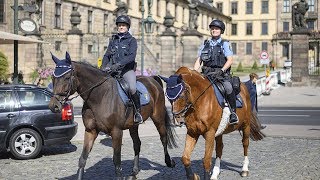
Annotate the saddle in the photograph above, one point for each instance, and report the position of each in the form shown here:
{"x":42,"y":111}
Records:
{"x":220,"y":92}
{"x":125,"y":95}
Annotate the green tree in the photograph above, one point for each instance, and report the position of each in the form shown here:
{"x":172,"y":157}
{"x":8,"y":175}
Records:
{"x":255,"y":66}
{"x":240,"y":68}
{"x":4,"y":68}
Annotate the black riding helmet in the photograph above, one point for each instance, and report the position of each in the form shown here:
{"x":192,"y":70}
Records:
{"x":219,"y":24}
{"x":123,"y":19}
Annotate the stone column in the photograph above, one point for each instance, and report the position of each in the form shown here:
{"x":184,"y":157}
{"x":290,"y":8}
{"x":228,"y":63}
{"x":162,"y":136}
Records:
{"x":299,"y":49}
{"x":74,"y":38}
{"x":168,"y":54}
{"x":191,"y":44}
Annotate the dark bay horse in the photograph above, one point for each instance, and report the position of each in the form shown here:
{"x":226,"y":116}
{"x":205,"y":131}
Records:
{"x":194,"y":100}
{"x":104,"y":111}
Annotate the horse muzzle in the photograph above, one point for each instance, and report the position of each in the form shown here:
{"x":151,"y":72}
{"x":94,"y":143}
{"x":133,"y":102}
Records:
{"x":55,"y":105}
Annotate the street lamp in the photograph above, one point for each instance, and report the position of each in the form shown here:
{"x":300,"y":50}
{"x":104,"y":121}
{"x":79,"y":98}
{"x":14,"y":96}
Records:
{"x":148,"y":24}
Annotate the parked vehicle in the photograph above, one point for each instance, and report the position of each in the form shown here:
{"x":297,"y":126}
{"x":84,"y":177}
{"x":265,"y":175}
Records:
{"x":27,"y":123}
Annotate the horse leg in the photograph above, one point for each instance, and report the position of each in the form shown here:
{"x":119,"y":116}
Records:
{"x":89,"y":138}
{"x":219,"y":147}
{"x":245,"y":143}
{"x":188,"y":148}
{"x":209,"y":145}
{"x":116,"y":145}
{"x":134,"y":133}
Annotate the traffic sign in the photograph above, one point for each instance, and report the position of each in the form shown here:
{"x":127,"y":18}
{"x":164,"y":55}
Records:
{"x":264,"y":57}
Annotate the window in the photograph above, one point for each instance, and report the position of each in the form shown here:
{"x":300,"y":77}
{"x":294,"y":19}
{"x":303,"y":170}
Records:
{"x":249,"y":6}
{"x":264,"y":28}
{"x":234,"y":8}
{"x":285,"y":50}
{"x":265,"y":7}
{"x":105,"y":24}
{"x":57,"y":45}
{"x":248,"y":48}
{"x":264,"y":46}
{"x":30,"y":99}
{"x":311,"y":5}
{"x":57,"y":16}
{"x":7,"y":102}
{"x":89,"y":21}
{"x":90,"y":49}
{"x":234,"y":48}
{"x":310,"y":25}
{"x":285,"y":26}
{"x":234,"y":30}
{"x":249,"y":28}
{"x":2,"y":11}
{"x":286,"y":6}
{"x":220,"y":6}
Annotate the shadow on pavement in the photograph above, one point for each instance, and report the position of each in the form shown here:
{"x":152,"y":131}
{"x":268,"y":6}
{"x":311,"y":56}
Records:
{"x":104,"y":169}
{"x":58,"y":149}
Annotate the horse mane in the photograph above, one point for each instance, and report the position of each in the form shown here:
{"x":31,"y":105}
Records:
{"x":196,"y":76}
{"x":92,"y":68}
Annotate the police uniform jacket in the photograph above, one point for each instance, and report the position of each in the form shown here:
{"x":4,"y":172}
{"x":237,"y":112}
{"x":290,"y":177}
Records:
{"x":122,"y":49}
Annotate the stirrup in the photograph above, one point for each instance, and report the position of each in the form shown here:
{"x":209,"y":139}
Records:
{"x":234,"y":122}
{"x":138,"y":118}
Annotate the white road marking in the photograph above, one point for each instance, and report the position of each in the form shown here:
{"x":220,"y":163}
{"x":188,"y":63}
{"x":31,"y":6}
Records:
{"x":289,"y":110}
{"x":283,"y":115}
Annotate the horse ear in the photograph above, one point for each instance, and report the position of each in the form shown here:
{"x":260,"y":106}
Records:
{"x":55,"y":59}
{"x":165,"y":79}
{"x":68,"y":59}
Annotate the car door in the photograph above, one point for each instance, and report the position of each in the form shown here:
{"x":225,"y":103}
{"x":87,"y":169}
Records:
{"x":9,"y":112}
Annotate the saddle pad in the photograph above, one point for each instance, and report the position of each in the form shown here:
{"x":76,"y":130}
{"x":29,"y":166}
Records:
{"x":142,"y":90}
{"x":220,"y":98}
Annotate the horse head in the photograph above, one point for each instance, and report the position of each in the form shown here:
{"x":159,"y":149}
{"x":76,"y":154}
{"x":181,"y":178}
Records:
{"x":178,"y":93}
{"x":64,"y":82}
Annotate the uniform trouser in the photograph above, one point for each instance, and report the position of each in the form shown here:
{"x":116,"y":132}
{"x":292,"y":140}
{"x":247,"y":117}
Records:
{"x":131,"y":78}
{"x":227,"y":86}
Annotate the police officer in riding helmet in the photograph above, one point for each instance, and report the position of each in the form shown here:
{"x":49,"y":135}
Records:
{"x":119,"y":60}
{"x":215,"y":57}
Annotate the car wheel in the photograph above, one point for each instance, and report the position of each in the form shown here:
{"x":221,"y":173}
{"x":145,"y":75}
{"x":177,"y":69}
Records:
{"x":25,"y":144}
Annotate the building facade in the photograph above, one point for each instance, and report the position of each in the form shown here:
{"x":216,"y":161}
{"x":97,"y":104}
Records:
{"x":251,"y":29}
{"x":84,"y":27}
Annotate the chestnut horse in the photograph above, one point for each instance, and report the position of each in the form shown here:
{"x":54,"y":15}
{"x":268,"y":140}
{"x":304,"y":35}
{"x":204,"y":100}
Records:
{"x":193,"y":98}
{"x":104,"y":111}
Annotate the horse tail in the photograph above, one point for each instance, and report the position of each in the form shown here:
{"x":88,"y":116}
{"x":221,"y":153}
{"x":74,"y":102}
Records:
{"x":171,"y":133}
{"x":255,"y":133}
{"x":157,"y":78}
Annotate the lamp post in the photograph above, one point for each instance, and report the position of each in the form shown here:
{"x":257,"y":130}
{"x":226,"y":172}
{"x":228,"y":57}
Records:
{"x":147,"y":24}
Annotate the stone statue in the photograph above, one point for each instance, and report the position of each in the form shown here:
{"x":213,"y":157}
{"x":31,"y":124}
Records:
{"x":122,"y":8}
{"x":150,"y":3}
{"x":299,"y":9}
{"x":193,"y":15}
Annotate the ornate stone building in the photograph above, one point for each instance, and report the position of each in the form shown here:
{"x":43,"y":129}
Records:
{"x":83,"y":28}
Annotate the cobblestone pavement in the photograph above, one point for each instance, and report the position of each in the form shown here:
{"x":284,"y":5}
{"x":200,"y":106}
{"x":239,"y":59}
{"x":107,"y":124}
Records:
{"x":272,"y":158}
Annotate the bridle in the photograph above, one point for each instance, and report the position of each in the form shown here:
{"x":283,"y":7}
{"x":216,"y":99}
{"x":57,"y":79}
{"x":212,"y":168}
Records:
{"x":67,"y":93}
{"x":189,"y":104}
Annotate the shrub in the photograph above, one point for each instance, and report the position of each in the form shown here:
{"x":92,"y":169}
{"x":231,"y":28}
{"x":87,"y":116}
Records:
{"x":255,"y":65}
{"x":240,"y":68}
{"x":4,"y":68}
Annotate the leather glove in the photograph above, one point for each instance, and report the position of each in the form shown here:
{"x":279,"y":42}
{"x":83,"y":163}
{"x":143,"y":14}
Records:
{"x":218,"y":73}
{"x":115,"y":67}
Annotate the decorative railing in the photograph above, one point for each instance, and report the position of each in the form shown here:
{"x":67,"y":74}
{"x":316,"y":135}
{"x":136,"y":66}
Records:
{"x":314,"y":35}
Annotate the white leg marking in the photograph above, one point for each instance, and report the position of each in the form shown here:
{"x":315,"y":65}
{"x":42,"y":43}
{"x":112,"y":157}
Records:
{"x":216,"y":169}
{"x":245,"y":166}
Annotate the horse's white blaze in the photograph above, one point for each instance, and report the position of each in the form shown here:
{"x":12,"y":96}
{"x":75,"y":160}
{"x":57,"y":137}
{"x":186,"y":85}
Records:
{"x":216,"y":169}
{"x":245,"y":166}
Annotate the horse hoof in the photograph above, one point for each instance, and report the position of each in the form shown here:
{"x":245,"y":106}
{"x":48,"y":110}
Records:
{"x":196,"y":176}
{"x":173,"y":164}
{"x":132,"y":177}
{"x":245,"y":173}
{"x":135,"y":172}
{"x":80,"y":173}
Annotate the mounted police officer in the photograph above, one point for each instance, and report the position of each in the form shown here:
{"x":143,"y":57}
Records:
{"x":119,"y":59}
{"x":215,"y":56}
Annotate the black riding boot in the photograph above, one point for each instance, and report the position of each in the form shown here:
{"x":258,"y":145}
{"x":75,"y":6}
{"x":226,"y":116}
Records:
{"x":137,"y":116}
{"x":231,"y":98}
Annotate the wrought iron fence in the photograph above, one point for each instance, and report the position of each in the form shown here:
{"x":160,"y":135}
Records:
{"x":314,"y":67}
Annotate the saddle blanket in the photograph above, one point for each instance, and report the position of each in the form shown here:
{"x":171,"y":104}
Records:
{"x":142,"y":90}
{"x":221,"y":100}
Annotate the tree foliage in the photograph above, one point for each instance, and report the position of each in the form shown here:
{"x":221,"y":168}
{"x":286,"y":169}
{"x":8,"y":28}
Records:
{"x":255,"y":66}
{"x":4,"y":68}
{"x":240,"y":68}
